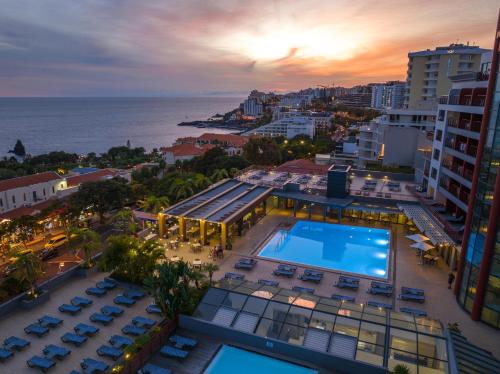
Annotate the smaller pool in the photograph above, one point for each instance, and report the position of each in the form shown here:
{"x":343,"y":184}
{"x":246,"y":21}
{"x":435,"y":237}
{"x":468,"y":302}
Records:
{"x":231,"y":360}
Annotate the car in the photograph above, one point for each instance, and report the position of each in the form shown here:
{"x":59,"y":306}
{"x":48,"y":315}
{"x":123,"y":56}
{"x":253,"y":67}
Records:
{"x":56,"y":241}
{"x":47,"y":254}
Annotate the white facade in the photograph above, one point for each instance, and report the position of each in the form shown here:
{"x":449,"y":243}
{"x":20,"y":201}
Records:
{"x":388,"y":96}
{"x":286,"y":127}
{"x":252,"y":107}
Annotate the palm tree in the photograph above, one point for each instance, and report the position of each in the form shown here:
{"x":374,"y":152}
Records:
{"x":233,"y":171}
{"x":219,"y":174}
{"x":124,"y":220}
{"x":154,"y":204}
{"x":210,"y":269}
{"x":28,"y":269}
{"x":181,"y":188}
{"x":91,"y":241}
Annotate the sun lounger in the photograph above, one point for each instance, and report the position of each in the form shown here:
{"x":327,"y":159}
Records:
{"x":383,"y":285}
{"x":313,"y":273}
{"x":343,"y":298}
{"x":234,"y":276}
{"x":348,"y":285}
{"x":74,"y":339}
{"x":153,"y":309}
{"x":42,"y":363}
{"x":413,"y":291}
{"x":348,"y":279}
{"x":105,"y":285}
{"x":81,"y":301}
{"x":70,"y":309}
{"x":412,"y":297}
{"x":5,"y":354}
{"x":140,"y":321}
{"x":153,"y":369}
{"x":89,"y":365}
{"x":415,"y":312}
{"x":123,"y":300}
{"x":133,"y":330}
{"x":134,"y":294}
{"x":94,"y":291}
{"x":36,"y":329}
{"x":15,"y":343}
{"x":119,"y":341}
{"x":380,"y":291}
{"x":111,"y":352}
{"x":111,"y":280}
{"x":87,"y":330}
{"x":173,"y":352}
{"x":245,"y":264}
{"x":376,"y":304}
{"x":310,"y":278}
{"x":182,"y":342}
{"x":49,"y":321}
{"x":110,"y":310}
{"x":303,"y":289}
{"x":101,"y":318}
{"x":52,"y":351}
{"x":267,"y":282}
{"x":287,"y":267}
{"x":283,"y":273}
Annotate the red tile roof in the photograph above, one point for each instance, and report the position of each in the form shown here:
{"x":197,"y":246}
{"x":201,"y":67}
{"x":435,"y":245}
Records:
{"x":231,"y":139}
{"x":187,"y":149}
{"x":28,"y":180}
{"x":303,"y":166}
{"x":90,"y":177}
{"x":28,"y":210}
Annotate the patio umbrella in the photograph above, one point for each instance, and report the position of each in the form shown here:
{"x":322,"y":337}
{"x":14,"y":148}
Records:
{"x":418,"y":238}
{"x":424,"y":247}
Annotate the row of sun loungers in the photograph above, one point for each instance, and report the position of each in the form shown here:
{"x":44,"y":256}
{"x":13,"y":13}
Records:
{"x":178,"y":348}
{"x":153,"y":369}
{"x":412,"y":294}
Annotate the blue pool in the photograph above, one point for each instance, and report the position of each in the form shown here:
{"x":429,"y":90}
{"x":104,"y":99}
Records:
{"x":231,"y":360}
{"x":352,"y":249}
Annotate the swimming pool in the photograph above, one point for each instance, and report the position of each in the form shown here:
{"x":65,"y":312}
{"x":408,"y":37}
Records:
{"x":352,"y":249}
{"x":231,"y":360}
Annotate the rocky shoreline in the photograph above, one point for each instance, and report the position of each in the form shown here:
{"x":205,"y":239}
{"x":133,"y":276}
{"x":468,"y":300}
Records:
{"x":225,"y":125}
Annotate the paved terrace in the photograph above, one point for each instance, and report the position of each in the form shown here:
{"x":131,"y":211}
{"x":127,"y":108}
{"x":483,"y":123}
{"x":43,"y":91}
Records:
{"x":15,"y":323}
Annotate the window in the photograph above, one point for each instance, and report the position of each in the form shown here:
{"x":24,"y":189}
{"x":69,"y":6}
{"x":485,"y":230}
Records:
{"x":434,"y":173}
{"x":53,"y":189}
{"x":44,"y":193}
{"x":439,"y":135}
{"x":1,"y":202}
{"x":441,"y":115}
{"x":436,"y":155}
{"x":13,"y":199}
{"x":24,"y":196}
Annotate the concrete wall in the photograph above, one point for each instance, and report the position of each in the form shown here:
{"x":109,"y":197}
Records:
{"x":382,"y":174}
{"x":400,"y":145}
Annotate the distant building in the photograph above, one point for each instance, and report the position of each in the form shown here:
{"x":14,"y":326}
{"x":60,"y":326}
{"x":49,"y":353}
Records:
{"x":183,"y":152}
{"x":357,"y":100}
{"x":230,"y":143}
{"x":388,"y":96}
{"x":321,"y":120}
{"x":429,"y":71}
{"x":287,"y":127}
{"x":252,"y":107}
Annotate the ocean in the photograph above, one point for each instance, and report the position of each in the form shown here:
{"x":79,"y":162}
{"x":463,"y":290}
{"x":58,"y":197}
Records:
{"x":83,"y":125}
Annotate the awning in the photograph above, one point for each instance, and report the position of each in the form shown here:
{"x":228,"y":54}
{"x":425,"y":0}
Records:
{"x":424,"y":247}
{"x":418,"y":238}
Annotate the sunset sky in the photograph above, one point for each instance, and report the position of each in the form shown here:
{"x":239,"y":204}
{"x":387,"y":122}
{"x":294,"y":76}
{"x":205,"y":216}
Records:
{"x":183,"y":47}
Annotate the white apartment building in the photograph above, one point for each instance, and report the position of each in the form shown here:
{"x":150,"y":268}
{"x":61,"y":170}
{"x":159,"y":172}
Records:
{"x":29,"y":190}
{"x":286,"y":127}
{"x":389,"y":95}
{"x":252,"y":107}
{"x":296,"y":100}
{"x":321,"y":120}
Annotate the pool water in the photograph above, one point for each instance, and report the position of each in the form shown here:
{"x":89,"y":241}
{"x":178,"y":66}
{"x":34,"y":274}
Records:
{"x":351,"y":249}
{"x":231,"y":360}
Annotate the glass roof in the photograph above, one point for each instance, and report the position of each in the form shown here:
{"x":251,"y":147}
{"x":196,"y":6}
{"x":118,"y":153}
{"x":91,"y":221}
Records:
{"x":356,"y":331}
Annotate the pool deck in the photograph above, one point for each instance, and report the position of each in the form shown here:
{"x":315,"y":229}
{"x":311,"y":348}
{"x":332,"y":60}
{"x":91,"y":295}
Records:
{"x":14,"y":324}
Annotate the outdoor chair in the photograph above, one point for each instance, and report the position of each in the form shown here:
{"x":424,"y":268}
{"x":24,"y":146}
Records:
{"x":49,"y":321}
{"x":415,"y":312}
{"x":267,"y":282}
{"x":153,"y":309}
{"x":5,"y":354}
{"x":94,"y":291}
{"x":70,"y":309}
{"x":110,"y":310}
{"x":376,"y":304}
{"x":140,"y":321}
{"x":119,"y":341}
{"x":108,"y":351}
{"x":303,"y":289}
{"x":343,"y":298}
{"x":172,"y":352}
{"x":133,"y":330}
{"x":182,"y":342}
{"x":42,"y":363}
{"x":134,"y":294}
{"x":52,"y":351}
{"x":101,"y":318}
{"x":74,"y":339}
{"x":123,"y":300}
{"x":15,"y":343}
{"x":234,"y":276}
{"x":153,"y":369}
{"x":81,"y":301}
{"x":35,"y":329}
{"x":89,"y":365}
{"x":87,"y":330}
{"x":105,"y":285}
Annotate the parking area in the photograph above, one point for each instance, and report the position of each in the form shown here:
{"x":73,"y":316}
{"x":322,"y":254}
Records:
{"x":14,"y":324}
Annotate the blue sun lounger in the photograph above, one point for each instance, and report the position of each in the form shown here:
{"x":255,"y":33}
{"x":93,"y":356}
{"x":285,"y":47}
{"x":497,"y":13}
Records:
{"x":348,"y":279}
{"x":153,"y":369}
{"x":140,"y":321}
{"x":153,"y":309}
{"x":172,"y":352}
{"x":87,"y":330}
{"x":108,"y":351}
{"x":81,"y":301}
{"x":49,"y":321}
{"x":119,"y":341}
{"x":412,"y":291}
{"x":106,"y":285}
{"x":5,"y":354}
{"x":123,"y":300}
{"x":415,"y":312}
{"x":234,"y":276}
{"x":412,"y":297}
{"x":36,"y":329}
{"x":287,"y":267}
{"x":70,"y":309}
{"x":74,"y":339}
{"x":42,"y":363}
{"x":101,"y":318}
{"x":267,"y":282}
{"x":52,"y":351}
{"x":380,"y":291}
{"x":382,"y":285}
{"x":303,"y":289}
{"x":313,"y":273}
{"x":134,"y":294}
{"x":376,"y":304}
{"x":15,"y":343}
{"x":89,"y":365}
{"x":133,"y":330}
{"x":349,"y":285}
{"x":245,"y":263}
{"x":182,"y":342}
{"x":343,"y":298}
{"x":94,"y":291}
{"x":283,"y":273}
{"x":110,"y":310}
{"x":310,"y":278}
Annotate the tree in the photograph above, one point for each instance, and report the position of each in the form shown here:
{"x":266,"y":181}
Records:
{"x":19,"y":149}
{"x":210,"y":268}
{"x":181,"y":189}
{"x":154,"y":204}
{"x":219,"y":174}
{"x":28,"y":269}
{"x":91,"y":241}
{"x":262,"y":151}
{"x":25,"y":227}
{"x":124,"y":221}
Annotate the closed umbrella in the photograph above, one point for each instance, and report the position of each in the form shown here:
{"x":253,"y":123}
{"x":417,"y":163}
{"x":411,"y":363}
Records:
{"x":418,"y":238}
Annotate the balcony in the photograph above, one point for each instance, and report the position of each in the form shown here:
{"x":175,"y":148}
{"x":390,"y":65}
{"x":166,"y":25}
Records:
{"x":459,"y":174}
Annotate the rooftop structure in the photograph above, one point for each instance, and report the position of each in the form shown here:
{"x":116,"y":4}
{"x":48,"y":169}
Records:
{"x":183,"y":152}
{"x":287,"y":127}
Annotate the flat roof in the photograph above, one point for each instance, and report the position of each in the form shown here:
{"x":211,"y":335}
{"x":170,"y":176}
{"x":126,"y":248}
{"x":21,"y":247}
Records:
{"x":316,"y":199}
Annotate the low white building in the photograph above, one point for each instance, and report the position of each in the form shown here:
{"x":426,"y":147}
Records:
{"x":286,"y":127}
{"x":183,"y":152}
